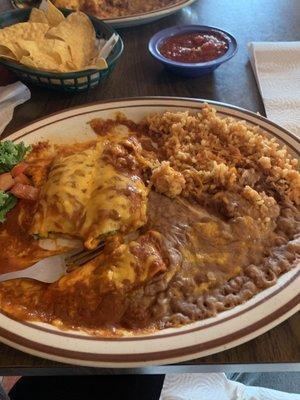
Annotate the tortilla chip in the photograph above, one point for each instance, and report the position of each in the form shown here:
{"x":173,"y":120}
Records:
{"x":46,"y":53}
{"x":23,"y":30}
{"x":99,"y":63}
{"x":78,"y":32}
{"x":59,"y":49}
{"x":95,"y":64}
{"x":11,"y":50}
{"x":37,"y":15}
{"x":6,"y":53}
{"x":47,"y":64}
{"x":51,"y":42}
{"x":69,"y":4}
{"x":53,"y":15}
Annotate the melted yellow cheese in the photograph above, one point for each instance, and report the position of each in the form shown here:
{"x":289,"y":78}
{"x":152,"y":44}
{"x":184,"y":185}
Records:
{"x":86,"y":197}
{"x":128,"y":265}
{"x":110,"y":194}
{"x":66,"y":192}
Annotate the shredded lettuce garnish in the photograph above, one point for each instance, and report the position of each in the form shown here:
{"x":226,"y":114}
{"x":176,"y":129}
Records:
{"x":11,"y":154}
{"x":7,"y":202}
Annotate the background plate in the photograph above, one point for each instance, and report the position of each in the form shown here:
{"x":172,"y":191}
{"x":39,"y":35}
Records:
{"x":125,"y":22}
{"x":230,"y":328}
{"x":151,"y":16}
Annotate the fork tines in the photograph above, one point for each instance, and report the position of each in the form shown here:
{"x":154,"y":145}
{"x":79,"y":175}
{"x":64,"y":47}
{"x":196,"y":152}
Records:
{"x":83,"y":256}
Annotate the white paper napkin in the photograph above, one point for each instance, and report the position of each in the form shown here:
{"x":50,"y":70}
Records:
{"x":276,"y":66}
{"x":10,"y":97}
{"x":215,"y":386}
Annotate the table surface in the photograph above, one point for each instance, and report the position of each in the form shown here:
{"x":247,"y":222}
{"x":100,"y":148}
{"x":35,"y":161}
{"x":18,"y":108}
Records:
{"x":137,"y":74}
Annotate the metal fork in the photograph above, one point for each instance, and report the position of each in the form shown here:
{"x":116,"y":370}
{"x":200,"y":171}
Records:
{"x":52,"y":268}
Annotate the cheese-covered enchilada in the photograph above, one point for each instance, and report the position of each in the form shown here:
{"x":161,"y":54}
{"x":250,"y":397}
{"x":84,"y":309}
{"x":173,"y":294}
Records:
{"x":84,"y":196}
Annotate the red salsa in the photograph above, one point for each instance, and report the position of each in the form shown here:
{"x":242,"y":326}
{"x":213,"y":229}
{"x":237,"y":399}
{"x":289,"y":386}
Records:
{"x":194,"y":47}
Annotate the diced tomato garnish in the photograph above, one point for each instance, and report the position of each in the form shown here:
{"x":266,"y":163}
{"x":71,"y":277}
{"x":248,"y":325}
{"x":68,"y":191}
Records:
{"x":19,"y":168}
{"x":25,"y":191}
{"x":6,"y":181}
{"x":22,"y":178}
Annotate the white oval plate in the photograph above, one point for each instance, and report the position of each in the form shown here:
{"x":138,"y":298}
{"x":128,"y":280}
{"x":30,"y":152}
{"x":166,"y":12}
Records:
{"x":230,"y":328}
{"x":133,"y":20}
{"x":147,"y":17}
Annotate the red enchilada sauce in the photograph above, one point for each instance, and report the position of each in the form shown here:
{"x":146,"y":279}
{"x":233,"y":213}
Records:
{"x":194,"y":47}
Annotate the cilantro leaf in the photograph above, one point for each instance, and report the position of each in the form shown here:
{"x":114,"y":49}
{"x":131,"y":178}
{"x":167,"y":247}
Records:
{"x":11,"y":154}
{"x":7,"y":202}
